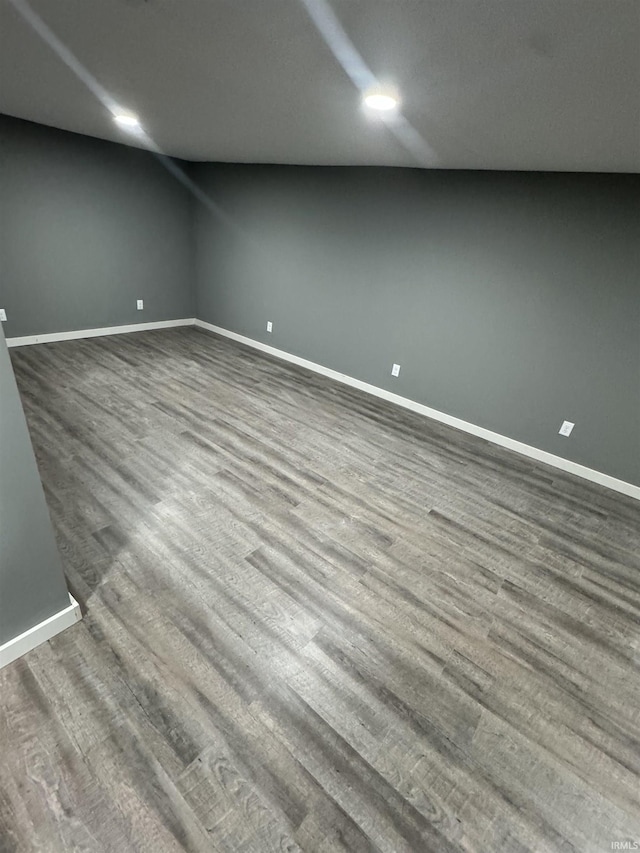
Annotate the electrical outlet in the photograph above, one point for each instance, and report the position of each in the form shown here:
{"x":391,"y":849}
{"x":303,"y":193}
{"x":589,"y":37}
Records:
{"x":140,"y":304}
{"x":395,"y":370}
{"x":566,"y":428}
{"x":3,"y":315}
{"x":269,"y":326}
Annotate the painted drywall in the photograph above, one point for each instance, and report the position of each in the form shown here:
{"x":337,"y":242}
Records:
{"x":86,"y":228}
{"x":32,"y":585}
{"x":510,"y":300}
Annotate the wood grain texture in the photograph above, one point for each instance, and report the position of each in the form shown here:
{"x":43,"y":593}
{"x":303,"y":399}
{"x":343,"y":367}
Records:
{"x":313,"y":621}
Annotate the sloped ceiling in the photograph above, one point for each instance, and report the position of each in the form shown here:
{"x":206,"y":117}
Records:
{"x":486,"y":84}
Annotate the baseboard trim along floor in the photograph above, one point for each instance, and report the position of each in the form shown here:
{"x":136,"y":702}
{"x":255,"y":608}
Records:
{"x":53,"y":337}
{"x":520,"y":447}
{"x":495,"y":438}
{"x":40,"y":633}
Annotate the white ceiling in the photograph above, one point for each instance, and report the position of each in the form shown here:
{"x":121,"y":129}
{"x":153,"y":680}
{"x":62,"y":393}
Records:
{"x":487,"y":84}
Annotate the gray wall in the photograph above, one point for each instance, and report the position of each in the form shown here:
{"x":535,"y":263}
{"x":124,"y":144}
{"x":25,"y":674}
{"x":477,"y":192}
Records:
{"x":86,"y":228}
{"x":511,"y":300}
{"x":32,"y":586}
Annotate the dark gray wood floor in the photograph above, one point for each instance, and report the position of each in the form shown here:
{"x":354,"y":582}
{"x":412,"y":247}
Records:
{"x":313,"y":621}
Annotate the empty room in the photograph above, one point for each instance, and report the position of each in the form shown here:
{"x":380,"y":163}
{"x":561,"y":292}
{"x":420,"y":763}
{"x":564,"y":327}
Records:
{"x":319,"y":426}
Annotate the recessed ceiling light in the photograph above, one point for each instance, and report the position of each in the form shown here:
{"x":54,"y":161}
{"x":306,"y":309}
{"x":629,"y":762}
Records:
{"x":381,"y":100}
{"x":127,"y":121}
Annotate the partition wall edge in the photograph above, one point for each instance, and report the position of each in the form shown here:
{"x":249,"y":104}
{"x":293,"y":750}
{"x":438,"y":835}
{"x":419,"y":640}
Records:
{"x":35,"y":604}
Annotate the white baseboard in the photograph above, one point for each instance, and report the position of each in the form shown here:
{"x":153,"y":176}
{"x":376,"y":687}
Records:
{"x":495,"y":438}
{"x":52,"y":337}
{"x":23,"y":643}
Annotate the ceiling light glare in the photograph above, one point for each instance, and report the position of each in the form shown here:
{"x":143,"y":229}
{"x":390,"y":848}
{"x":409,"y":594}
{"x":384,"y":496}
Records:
{"x":381,"y":100}
{"x":127,"y":121}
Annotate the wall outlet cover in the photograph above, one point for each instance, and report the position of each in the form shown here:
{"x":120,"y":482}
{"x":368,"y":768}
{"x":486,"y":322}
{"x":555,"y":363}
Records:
{"x":3,"y":315}
{"x":395,"y":370}
{"x":269,"y":326}
{"x":140,"y":304}
{"x":566,"y":428}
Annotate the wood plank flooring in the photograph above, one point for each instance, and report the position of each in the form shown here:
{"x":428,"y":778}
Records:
{"x":313,"y":621}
